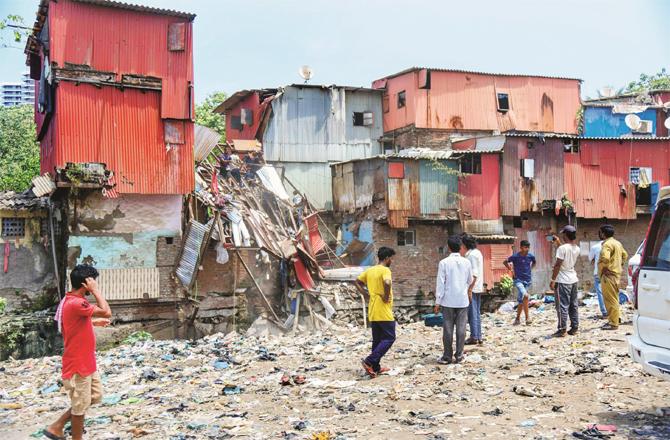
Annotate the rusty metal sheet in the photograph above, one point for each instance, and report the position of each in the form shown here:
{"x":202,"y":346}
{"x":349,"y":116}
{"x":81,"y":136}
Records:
{"x":173,"y":131}
{"x":510,"y":186}
{"x":176,"y":36}
{"x":398,"y":219}
{"x":399,"y":198}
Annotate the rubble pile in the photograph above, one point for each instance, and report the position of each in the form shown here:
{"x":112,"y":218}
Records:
{"x":519,"y":384}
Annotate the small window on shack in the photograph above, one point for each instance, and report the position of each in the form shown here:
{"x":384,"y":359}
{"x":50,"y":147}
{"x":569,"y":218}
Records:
{"x":363,"y":119}
{"x":13,"y":227}
{"x":503,"y":102}
{"x":530,"y":145}
{"x":571,"y":145}
{"x":236,"y":123}
{"x":641,"y":177}
{"x":402,"y":99}
{"x":406,"y":238}
{"x":396,"y":170}
{"x":471,"y":164}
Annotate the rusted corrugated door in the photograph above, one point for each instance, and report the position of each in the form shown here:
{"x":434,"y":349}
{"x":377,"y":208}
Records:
{"x":480,"y":193}
{"x":176,"y":96}
{"x":549,"y":170}
{"x":511,"y":180}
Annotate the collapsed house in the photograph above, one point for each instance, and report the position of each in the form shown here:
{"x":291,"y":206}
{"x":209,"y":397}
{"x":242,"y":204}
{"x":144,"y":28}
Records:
{"x":302,"y":128}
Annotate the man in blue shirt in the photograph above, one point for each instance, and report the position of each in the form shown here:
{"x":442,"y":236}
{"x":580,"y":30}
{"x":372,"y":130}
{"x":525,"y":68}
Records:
{"x":522,"y":264}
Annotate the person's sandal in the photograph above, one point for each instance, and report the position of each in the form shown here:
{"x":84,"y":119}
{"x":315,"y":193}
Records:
{"x":517,"y":322}
{"x":470,"y":341}
{"x":559,"y":334}
{"x":52,"y":436}
{"x":368,"y":369}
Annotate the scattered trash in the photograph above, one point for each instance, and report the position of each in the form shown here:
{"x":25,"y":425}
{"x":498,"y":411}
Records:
{"x":495,"y":412}
{"x":238,"y":386}
{"x":139,"y":336}
{"x":529,"y":392}
{"x":50,"y":389}
{"x":229,"y":390}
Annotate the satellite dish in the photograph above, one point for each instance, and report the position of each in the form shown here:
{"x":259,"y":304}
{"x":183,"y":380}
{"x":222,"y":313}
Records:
{"x":633,"y":121}
{"x":306,"y":73}
{"x":607,"y":92}
{"x":667,"y":123}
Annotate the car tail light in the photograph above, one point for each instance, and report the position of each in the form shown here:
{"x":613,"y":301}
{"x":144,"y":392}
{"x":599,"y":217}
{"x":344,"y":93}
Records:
{"x":635,"y":276}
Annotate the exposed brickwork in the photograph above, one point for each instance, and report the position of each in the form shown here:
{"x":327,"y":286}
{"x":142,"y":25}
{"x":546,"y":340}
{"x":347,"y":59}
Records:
{"x":411,"y":136}
{"x":414,"y":267}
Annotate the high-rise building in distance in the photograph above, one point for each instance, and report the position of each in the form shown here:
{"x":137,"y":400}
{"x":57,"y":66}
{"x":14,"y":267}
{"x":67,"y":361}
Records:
{"x":18,"y":93}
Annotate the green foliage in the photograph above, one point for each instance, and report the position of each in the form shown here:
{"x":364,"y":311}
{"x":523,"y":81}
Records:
{"x":204,"y":113}
{"x":506,"y":284}
{"x":14,"y":25}
{"x":19,"y":149}
{"x":3,"y":305}
{"x":136,"y":337}
{"x":660,"y":80}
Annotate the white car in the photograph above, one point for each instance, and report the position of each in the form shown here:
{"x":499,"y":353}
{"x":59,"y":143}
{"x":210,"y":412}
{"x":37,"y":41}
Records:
{"x":650,"y":343}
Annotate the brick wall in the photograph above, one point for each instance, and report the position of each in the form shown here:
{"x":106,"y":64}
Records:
{"x":414,"y":267}
{"x":630,"y":233}
{"x":411,"y":136}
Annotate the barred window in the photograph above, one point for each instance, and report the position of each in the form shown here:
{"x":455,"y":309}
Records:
{"x":13,"y":227}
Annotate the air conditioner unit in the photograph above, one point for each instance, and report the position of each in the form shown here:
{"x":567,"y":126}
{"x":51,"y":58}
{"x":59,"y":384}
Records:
{"x":645,"y":127}
{"x":528,"y":168}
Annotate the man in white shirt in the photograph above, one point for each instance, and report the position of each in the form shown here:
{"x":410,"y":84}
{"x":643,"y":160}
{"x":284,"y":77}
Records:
{"x":564,"y":282}
{"x":452,"y":294}
{"x":476,"y":260}
{"x":594,"y":255}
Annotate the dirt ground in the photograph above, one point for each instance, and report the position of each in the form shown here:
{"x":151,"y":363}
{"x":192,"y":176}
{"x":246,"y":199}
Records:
{"x":229,"y":387}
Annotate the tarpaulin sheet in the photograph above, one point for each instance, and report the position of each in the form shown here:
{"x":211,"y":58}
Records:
{"x":315,"y":238}
{"x":302,"y":274}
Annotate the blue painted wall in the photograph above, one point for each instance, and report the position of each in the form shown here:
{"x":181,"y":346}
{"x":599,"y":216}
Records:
{"x":601,"y":122}
{"x":364,"y":234}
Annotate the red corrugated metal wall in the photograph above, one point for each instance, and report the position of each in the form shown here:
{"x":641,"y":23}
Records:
{"x":123,"y":129}
{"x":248,"y":132}
{"x":481,"y":192}
{"x":467,"y":101}
{"x":494,"y":256}
{"x":118,"y":40}
{"x":595,"y":176}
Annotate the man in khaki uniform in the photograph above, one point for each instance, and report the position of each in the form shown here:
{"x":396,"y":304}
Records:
{"x":610,"y":264}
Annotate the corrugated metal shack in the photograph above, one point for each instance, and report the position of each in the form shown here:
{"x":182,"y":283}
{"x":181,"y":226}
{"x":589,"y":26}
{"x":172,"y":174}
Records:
{"x":303,"y":128}
{"x":114,"y":113}
{"x":113,"y":80}
{"x":426,"y":106}
{"x":417,"y":184}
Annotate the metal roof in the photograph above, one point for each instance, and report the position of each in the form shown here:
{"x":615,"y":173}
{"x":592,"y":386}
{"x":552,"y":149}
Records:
{"x":574,"y":136}
{"x":413,"y":69}
{"x":138,"y":8}
{"x":423,"y":153}
{"x":22,"y":201}
{"x":43,"y":9}
{"x":335,"y":86}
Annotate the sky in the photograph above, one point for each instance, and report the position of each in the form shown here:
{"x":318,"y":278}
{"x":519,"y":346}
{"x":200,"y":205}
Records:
{"x":262,"y":43}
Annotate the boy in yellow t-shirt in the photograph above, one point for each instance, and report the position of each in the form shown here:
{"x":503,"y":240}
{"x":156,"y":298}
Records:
{"x":377,"y":279}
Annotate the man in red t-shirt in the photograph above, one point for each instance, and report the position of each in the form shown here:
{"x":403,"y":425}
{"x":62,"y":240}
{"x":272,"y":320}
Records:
{"x":80,"y":376}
